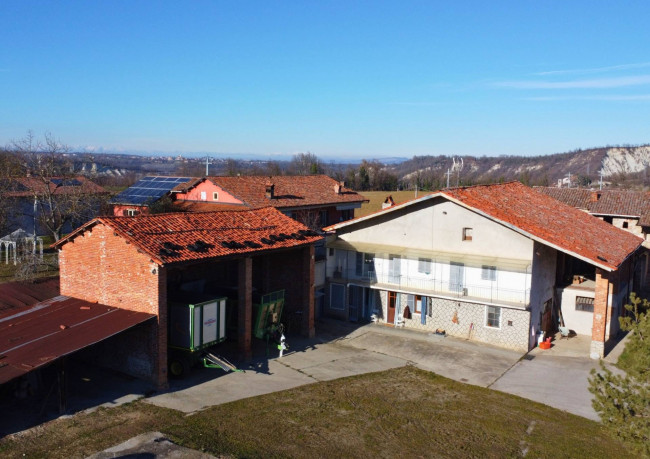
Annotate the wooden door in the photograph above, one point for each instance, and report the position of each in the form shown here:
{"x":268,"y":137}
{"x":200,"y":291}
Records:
{"x":392,"y":300}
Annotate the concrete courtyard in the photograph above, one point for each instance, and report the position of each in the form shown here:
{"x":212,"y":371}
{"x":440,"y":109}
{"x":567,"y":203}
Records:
{"x":557,"y":377}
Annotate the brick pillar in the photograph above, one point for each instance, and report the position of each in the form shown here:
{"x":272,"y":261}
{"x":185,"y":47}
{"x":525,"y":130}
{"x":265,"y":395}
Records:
{"x":161,"y":362}
{"x":307,"y":328}
{"x":245,"y":307}
{"x":599,"y":327}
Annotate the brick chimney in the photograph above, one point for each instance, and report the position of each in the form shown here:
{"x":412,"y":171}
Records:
{"x":595,"y":196}
{"x":270,"y":190}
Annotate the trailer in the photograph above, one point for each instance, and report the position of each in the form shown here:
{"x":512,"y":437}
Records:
{"x":193,"y":328}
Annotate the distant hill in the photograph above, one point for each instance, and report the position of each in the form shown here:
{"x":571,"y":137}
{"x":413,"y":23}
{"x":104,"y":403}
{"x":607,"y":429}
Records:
{"x":583,"y":165}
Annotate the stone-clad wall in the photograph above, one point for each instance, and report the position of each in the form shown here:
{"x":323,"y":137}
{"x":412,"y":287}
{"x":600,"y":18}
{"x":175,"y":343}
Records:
{"x":513,"y":333}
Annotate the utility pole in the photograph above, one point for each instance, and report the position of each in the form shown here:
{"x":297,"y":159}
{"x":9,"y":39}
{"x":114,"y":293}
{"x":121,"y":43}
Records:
{"x":448,"y":174}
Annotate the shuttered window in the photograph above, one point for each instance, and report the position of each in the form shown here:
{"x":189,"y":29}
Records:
{"x":584,"y":303}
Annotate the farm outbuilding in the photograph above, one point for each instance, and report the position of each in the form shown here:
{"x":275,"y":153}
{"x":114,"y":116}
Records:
{"x":145,"y":263}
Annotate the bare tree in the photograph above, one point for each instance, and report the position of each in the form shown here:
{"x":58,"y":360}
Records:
{"x":61,"y":200}
{"x":305,"y":164}
{"x":9,"y":168}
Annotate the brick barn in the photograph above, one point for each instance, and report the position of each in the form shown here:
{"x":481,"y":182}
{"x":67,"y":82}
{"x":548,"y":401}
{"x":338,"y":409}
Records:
{"x":138,"y":263}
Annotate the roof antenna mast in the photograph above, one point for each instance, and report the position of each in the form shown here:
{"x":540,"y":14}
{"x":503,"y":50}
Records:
{"x":207,"y":166}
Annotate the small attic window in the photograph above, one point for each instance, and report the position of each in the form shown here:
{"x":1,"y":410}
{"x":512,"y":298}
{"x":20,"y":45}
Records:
{"x":625,"y":225}
{"x":215,"y":195}
{"x":467,"y":234}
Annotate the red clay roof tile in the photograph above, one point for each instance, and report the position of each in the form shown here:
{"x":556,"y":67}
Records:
{"x":603,"y":202}
{"x":542,"y":217}
{"x":28,"y":186}
{"x":289,"y":191}
{"x":179,"y":237}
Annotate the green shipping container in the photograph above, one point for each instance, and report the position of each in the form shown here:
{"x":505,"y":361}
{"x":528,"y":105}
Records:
{"x":196,"y":326}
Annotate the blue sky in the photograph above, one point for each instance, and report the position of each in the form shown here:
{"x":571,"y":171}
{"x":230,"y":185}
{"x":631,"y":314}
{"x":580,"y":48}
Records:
{"x":336,"y":78}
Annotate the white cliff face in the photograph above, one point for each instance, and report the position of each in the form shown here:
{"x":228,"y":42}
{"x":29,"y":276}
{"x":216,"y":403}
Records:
{"x":623,"y":160}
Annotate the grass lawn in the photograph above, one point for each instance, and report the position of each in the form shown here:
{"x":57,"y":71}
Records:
{"x":48,"y":268}
{"x":377,"y":198}
{"x":402,"y":412}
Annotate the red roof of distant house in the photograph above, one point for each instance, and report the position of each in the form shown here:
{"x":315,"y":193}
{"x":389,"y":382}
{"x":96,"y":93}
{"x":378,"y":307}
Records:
{"x":289,"y":191}
{"x":623,"y":203}
{"x":28,"y":186}
{"x":178,"y":237}
{"x":540,"y":217}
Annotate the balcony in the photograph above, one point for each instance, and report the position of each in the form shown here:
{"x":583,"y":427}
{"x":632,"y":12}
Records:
{"x":428,"y":285}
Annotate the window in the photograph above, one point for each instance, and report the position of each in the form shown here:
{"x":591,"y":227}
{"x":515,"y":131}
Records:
{"x":358,"y":270}
{"x":394,"y":268}
{"x":131,"y":212}
{"x":467,"y":234}
{"x":215,"y":195}
{"x":625,"y":225}
{"x":489,"y":273}
{"x":323,"y":218}
{"x":337,"y":296}
{"x":365,"y":263}
{"x":204,"y":196}
{"x":418,"y":304}
{"x":319,"y":250}
{"x":493,"y":317}
{"x":347,"y":214}
{"x":584,"y":304}
{"x":424,"y":265}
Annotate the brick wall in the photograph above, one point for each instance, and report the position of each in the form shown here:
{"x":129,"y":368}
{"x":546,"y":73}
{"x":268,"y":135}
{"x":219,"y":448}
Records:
{"x":601,"y":301}
{"x":99,"y":266}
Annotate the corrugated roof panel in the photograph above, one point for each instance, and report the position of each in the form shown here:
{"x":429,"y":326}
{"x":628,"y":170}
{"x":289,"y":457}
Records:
{"x":37,"y":335}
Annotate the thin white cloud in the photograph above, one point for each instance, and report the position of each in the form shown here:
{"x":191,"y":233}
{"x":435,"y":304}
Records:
{"x":613,"y":98}
{"x":611,"y":68}
{"x":598,"y":83}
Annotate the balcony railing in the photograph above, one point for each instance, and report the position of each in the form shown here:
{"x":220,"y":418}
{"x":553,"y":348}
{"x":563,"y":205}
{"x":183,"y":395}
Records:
{"x":425,"y":283}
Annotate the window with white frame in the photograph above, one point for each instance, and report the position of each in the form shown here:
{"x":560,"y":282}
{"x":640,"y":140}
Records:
{"x":489,"y":273}
{"x":493,"y":317}
{"x":131,"y":212}
{"x":204,"y":196}
{"x":215,"y":195}
{"x":418,"y":304}
{"x":424,"y":265}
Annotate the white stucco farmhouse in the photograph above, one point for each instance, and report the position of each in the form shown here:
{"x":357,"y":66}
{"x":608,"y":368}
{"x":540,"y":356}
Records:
{"x":491,"y":263}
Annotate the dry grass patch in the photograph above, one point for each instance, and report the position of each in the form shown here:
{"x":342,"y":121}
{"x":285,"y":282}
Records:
{"x":376,"y":198}
{"x":402,"y":412}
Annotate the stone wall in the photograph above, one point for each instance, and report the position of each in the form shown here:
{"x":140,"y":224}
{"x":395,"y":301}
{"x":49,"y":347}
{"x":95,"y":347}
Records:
{"x":467,"y":320}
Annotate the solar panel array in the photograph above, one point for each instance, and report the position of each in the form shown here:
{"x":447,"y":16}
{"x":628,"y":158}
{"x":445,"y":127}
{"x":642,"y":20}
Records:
{"x":148,"y":190}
